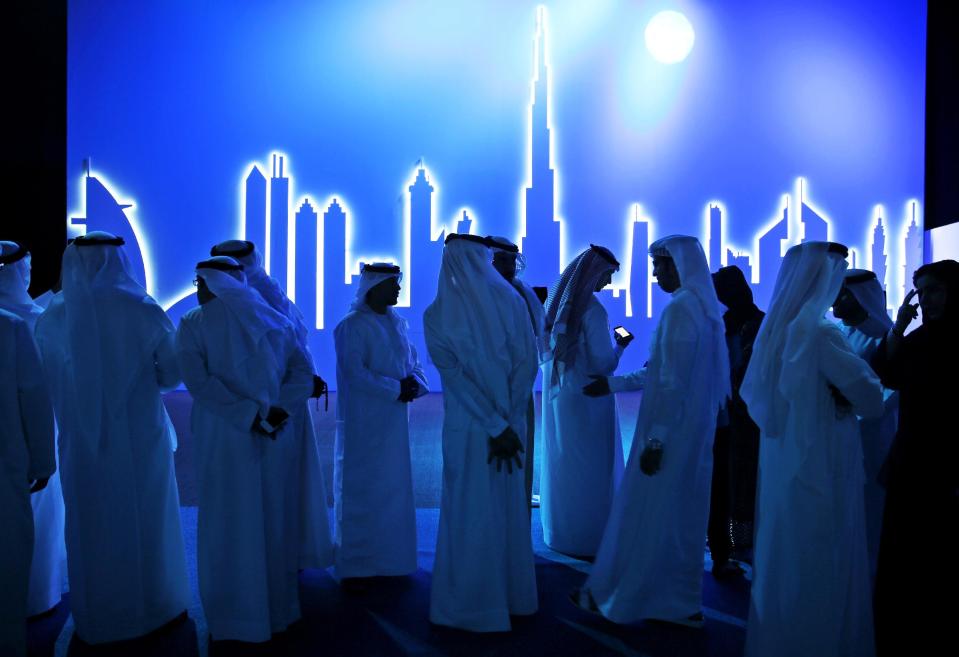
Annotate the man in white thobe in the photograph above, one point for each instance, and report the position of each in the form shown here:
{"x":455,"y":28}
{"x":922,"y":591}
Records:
{"x":48,"y":569}
{"x":861,"y":307}
{"x":582,"y":450}
{"x":26,"y":452}
{"x":108,"y":353}
{"x":247,"y":375}
{"x":650,"y":562}
{"x":377,"y":375}
{"x":481,"y":342}
{"x":804,"y":387}
{"x":509,"y":262}
{"x":316,"y":546}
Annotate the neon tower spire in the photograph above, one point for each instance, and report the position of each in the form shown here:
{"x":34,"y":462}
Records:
{"x":542,"y":229}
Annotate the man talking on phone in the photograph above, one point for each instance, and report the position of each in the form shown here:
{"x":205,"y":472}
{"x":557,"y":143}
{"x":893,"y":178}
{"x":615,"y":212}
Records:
{"x":241,"y":363}
{"x":650,"y":561}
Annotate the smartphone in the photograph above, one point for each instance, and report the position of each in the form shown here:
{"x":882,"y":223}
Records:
{"x":266,"y":426}
{"x":622,"y":332}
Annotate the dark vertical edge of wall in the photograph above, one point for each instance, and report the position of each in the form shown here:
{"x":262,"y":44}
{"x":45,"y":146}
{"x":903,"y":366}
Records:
{"x":34,"y":34}
{"x":941,"y":194}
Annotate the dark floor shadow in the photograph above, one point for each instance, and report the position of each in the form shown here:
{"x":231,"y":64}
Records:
{"x":178,"y":637}
{"x":43,"y":629}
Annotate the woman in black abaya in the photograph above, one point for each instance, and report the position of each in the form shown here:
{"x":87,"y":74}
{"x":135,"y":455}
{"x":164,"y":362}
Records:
{"x":917,"y":580}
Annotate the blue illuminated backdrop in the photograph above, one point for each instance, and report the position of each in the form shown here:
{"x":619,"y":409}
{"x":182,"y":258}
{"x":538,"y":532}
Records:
{"x":299,"y":126}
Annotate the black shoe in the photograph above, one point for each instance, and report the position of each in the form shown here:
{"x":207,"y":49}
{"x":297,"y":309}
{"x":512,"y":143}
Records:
{"x":355,"y":585}
{"x":727,"y":570}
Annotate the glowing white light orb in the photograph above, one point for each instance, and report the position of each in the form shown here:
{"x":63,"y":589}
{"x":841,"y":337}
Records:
{"x":669,"y":37}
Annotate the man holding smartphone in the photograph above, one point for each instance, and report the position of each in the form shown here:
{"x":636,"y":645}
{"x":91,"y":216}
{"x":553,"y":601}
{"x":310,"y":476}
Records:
{"x":241,"y":363}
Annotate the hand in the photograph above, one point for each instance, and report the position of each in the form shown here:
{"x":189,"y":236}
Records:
{"x":258,"y":429}
{"x":621,"y":341}
{"x":843,"y":405}
{"x":409,"y":388}
{"x":39,"y":485}
{"x":505,"y":447}
{"x":907,"y":312}
{"x":599,"y":387}
{"x":651,"y":460}
{"x":277,"y":416}
{"x":319,"y":387}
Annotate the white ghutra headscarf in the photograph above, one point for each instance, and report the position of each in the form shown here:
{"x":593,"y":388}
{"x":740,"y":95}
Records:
{"x":865,"y":287}
{"x":15,"y":281}
{"x":566,"y":305}
{"x":472,"y":310}
{"x":246,"y":253}
{"x":690,"y":261}
{"x":809,"y":280}
{"x":104,"y":342}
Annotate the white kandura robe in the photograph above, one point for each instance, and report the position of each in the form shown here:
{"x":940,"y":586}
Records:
{"x":810,"y":590}
{"x":125,"y":554}
{"x":48,"y":569}
{"x":248,"y":529}
{"x":26,"y":454}
{"x":316,"y":545}
{"x":582,"y":451}
{"x":375,"y":518}
{"x":877,"y":435}
{"x":483,"y":571}
{"x":650,"y":562}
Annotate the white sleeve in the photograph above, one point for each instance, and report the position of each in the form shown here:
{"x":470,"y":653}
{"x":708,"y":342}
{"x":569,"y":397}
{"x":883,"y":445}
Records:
{"x":458,"y":384}
{"x":297,"y":384}
{"x":849,"y":373}
{"x":205,"y":388}
{"x":167,"y":368}
{"x":36,"y":410}
{"x":602,"y":353}
{"x":626,"y":382}
{"x":418,"y":372}
{"x":349,"y":364}
{"x":674,"y":383}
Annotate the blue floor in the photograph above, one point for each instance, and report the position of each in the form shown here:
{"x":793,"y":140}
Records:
{"x":392,"y":617}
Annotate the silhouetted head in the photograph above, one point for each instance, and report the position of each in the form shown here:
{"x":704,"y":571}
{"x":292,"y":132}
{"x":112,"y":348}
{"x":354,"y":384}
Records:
{"x":607,"y":277}
{"x":383,"y":294}
{"x":505,"y":254}
{"x":379,"y":286}
{"x":203,"y":294}
{"x":938,"y":286}
{"x":732,"y":289}
{"x":666,"y":274}
{"x":847,"y":308}
{"x":216,"y":263}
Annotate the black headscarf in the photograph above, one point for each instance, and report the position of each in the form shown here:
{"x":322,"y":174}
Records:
{"x":733,"y":291}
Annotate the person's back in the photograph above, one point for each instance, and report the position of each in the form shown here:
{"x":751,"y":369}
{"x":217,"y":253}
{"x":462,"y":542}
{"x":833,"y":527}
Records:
{"x":26,"y":452}
{"x":108,"y":354}
{"x":48,"y":570}
{"x":804,"y":387}
{"x":481,"y":342}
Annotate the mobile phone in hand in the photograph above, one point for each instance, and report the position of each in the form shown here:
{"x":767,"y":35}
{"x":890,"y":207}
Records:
{"x":622,"y":332}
